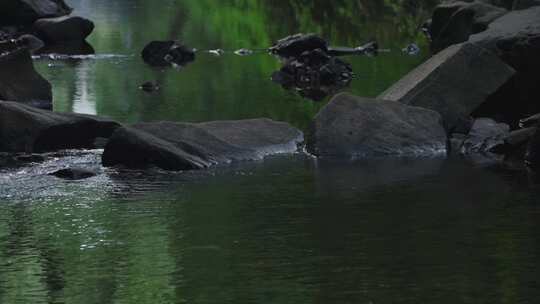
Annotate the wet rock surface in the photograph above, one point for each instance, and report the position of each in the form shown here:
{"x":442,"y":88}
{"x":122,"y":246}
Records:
{"x":354,"y":126}
{"x":454,"y":82}
{"x":188,"y":146}
{"x":167,"y":53}
{"x":74,"y":173}
{"x":27,"y":129}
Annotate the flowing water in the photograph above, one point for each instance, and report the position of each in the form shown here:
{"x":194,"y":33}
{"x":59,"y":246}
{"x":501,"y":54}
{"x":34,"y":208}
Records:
{"x":289,"y":229}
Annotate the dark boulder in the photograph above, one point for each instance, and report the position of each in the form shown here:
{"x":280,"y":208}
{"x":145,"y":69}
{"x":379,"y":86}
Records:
{"x":74,"y":173}
{"x":188,"y":146}
{"x":515,"y":38}
{"x":455,"y":82}
{"x":454,"y":22}
{"x":314,"y":75}
{"x":295,"y":45}
{"x":167,"y":53}
{"x":25,"y":12}
{"x":27,"y":129}
{"x":362,"y":127}
{"x":19,"y":81}
{"x":63,"y":29}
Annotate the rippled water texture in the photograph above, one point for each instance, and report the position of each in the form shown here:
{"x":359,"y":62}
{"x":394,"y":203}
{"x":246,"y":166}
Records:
{"x":288,"y":229}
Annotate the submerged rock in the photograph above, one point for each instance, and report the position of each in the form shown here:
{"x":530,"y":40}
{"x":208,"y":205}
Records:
{"x":354,"y":126}
{"x":19,"y":81}
{"x":188,"y":146}
{"x":25,"y":12}
{"x":314,"y":75}
{"x":74,"y":173}
{"x":63,"y":29}
{"x":27,"y":129}
{"x":149,"y":86}
{"x":296,"y":45}
{"x":167,"y":53}
{"x":455,"y":82}
{"x":453,"y":22}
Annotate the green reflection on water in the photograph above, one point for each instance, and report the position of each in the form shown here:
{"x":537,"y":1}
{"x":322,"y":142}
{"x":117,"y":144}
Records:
{"x":229,"y":87}
{"x":283,"y":231}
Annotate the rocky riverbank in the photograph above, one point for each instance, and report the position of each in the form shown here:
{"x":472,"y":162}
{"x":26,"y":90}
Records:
{"x":477,"y":95}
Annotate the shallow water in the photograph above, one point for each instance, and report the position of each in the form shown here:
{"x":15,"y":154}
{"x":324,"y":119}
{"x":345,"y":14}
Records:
{"x":289,"y":229}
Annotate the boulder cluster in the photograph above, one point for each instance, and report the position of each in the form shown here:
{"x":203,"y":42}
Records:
{"x":30,"y":27}
{"x":481,"y":82}
{"x":48,"y":21}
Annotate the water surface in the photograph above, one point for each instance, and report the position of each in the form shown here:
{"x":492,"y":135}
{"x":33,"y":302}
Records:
{"x":289,"y":229}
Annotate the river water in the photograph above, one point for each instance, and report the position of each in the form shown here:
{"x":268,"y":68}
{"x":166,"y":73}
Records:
{"x":289,"y":229}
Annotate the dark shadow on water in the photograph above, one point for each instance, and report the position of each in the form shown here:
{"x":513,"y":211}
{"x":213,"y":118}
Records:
{"x":72,"y":48}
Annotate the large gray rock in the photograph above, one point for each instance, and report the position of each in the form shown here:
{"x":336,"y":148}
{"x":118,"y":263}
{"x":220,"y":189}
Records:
{"x":363,"y":127}
{"x":515,"y":38}
{"x":454,"y":83}
{"x":63,"y":29}
{"x":187,"y":146}
{"x":454,"y":22}
{"x":20,"y":82}
{"x":27,"y":129}
{"x":25,"y":12}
